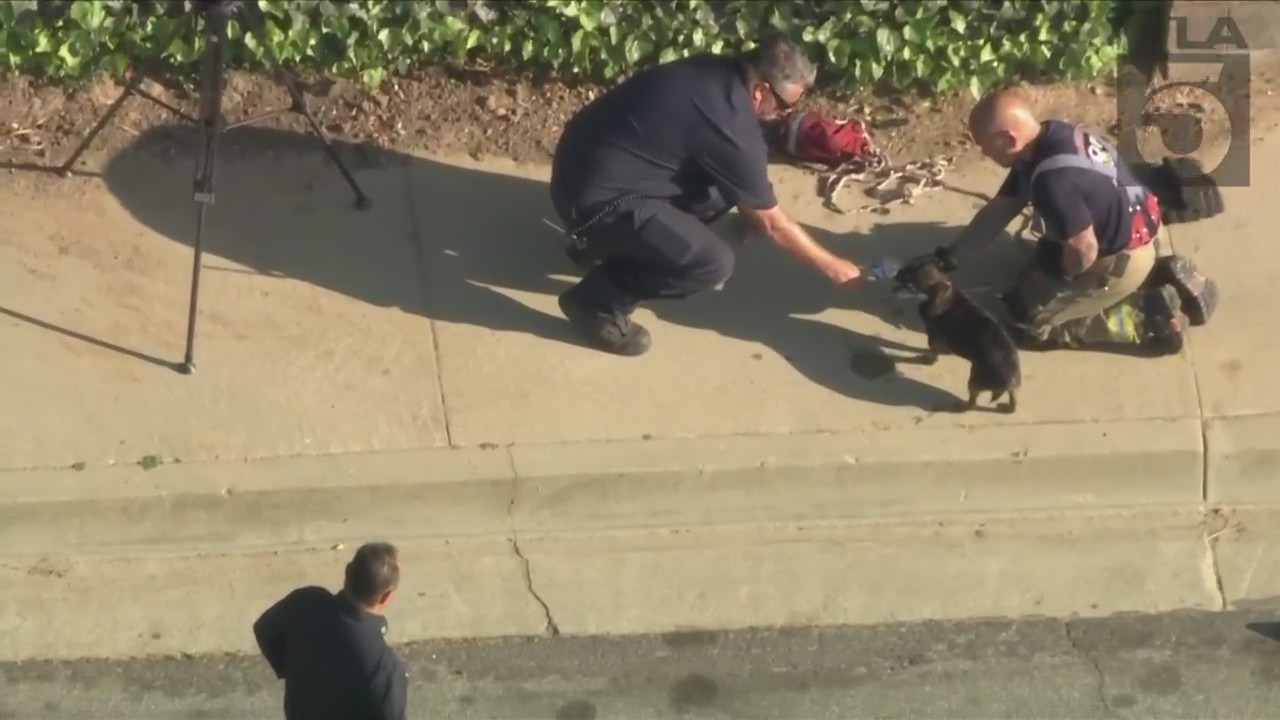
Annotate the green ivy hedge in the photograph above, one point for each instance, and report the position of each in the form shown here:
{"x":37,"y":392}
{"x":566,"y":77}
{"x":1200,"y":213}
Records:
{"x":939,"y":45}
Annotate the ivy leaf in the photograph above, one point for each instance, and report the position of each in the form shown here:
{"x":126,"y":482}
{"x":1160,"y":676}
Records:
{"x":959,"y":45}
{"x":887,"y":40}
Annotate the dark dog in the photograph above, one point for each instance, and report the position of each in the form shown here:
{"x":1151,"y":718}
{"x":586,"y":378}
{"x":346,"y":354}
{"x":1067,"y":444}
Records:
{"x":956,"y":324}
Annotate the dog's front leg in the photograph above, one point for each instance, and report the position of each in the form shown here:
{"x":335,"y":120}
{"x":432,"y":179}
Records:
{"x":936,"y":348}
{"x":934,"y":341}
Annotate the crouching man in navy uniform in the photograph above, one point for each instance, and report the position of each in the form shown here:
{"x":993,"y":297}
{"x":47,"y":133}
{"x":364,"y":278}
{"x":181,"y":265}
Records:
{"x":641,"y":173}
{"x":1097,"y":279}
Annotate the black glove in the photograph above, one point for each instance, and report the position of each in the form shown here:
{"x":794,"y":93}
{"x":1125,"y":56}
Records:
{"x":1203,"y":198}
{"x":1187,"y":192}
{"x":1049,"y":256}
{"x":946,"y":259}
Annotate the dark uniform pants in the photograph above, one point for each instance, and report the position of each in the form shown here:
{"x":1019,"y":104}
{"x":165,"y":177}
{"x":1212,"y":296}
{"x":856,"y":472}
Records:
{"x":650,"y":249}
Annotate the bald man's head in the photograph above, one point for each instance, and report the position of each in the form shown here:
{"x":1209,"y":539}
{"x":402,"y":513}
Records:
{"x":1003,"y":124}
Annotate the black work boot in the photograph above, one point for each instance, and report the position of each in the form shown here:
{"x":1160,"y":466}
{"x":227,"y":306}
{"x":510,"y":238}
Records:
{"x":1162,"y":319}
{"x":1197,"y":293}
{"x":610,"y":331}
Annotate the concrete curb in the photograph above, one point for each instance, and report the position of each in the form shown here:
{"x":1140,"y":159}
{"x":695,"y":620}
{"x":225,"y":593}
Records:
{"x":704,"y":534}
{"x":869,"y":571}
{"x":1243,"y":464}
{"x":605,"y":486}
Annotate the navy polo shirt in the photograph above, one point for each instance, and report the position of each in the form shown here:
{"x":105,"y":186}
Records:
{"x":1070,"y":199}
{"x":333,"y":657}
{"x":671,"y":131}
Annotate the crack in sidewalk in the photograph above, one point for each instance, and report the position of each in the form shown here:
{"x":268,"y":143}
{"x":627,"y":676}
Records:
{"x":551,"y":629}
{"x":416,"y":237}
{"x":1097,"y":669}
{"x":1214,"y":523}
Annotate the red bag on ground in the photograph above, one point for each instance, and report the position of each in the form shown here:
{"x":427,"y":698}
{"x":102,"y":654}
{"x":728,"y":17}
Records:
{"x":811,"y":137}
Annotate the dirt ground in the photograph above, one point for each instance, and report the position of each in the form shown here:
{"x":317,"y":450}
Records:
{"x":434,"y":113}
{"x":439,"y":114}
{"x":445,"y":115}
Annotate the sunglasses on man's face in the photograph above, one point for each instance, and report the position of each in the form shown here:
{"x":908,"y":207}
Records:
{"x":783,"y":105}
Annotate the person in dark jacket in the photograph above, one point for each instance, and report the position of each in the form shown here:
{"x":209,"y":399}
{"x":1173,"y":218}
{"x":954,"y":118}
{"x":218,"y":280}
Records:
{"x":330,"y":648}
{"x":1097,"y":279}
{"x":642,"y":172}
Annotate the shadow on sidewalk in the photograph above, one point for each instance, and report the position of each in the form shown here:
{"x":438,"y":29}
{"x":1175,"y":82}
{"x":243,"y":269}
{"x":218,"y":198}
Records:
{"x":479,"y":232}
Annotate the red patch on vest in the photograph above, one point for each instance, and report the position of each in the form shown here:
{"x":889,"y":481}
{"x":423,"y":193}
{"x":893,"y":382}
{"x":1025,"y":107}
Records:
{"x":1140,"y":234}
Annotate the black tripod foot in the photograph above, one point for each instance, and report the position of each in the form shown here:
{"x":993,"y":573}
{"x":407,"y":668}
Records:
{"x":363,"y":202}
{"x":186,"y":367}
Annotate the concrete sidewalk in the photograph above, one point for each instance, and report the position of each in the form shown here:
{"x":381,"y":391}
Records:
{"x":404,"y":373}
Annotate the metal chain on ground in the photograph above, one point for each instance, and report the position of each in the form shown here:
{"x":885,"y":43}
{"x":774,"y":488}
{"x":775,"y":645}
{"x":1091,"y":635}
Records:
{"x":914,"y":179}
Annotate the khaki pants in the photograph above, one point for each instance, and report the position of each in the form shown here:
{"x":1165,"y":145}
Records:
{"x":1092,"y":308}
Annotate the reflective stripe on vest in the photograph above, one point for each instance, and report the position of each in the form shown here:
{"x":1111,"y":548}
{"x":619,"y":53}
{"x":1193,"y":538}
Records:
{"x":1136,"y":196}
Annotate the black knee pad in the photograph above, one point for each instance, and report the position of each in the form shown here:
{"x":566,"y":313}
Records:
{"x":1016,"y":305}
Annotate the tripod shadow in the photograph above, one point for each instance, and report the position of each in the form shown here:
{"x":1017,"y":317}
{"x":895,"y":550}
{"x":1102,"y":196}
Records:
{"x":50,"y":169}
{"x":82,"y":337}
{"x":284,"y":211}
{"x":455,"y":244}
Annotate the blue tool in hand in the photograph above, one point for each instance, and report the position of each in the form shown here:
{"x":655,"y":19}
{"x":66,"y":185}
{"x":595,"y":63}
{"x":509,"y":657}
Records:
{"x":882,"y":269}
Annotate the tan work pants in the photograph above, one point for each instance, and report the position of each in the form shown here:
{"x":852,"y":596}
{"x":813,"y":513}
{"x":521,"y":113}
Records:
{"x":1092,"y":307}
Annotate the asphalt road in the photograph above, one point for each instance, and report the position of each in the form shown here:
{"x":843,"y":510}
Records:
{"x":1192,"y":665}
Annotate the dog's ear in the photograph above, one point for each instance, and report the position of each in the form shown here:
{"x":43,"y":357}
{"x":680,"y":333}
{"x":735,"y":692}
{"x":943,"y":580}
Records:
{"x":946,"y":260}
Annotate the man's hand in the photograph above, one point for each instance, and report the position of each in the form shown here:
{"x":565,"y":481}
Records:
{"x":1080,"y":253}
{"x":843,"y":272}
{"x":790,"y":236}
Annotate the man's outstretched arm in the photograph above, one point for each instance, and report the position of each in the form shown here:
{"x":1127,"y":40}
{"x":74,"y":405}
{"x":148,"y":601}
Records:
{"x":738,"y":163}
{"x":794,"y":239}
{"x":1010,"y":200}
{"x":987,"y":223}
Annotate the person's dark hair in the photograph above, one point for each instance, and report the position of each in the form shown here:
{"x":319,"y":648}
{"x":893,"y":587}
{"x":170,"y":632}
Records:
{"x":374,"y":570}
{"x":779,"y":62}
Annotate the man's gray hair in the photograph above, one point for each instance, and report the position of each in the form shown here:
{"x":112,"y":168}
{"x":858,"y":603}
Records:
{"x":779,"y":62}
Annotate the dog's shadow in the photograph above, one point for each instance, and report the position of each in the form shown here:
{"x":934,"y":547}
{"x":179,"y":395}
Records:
{"x":779,"y":303}
{"x":876,"y":361}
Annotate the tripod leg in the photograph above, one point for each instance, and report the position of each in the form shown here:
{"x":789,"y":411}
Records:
{"x":135,"y":82}
{"x":252,"y":16}
{"x":300,"y":105}
{"x":203,"y":194}
{"x":189,"y":358}
{"x":133,"y":87}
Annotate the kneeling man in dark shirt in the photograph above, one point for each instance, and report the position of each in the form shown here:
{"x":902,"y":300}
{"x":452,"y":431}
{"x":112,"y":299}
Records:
{"x":1097,"y":279}
{"x":329,"y":648}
